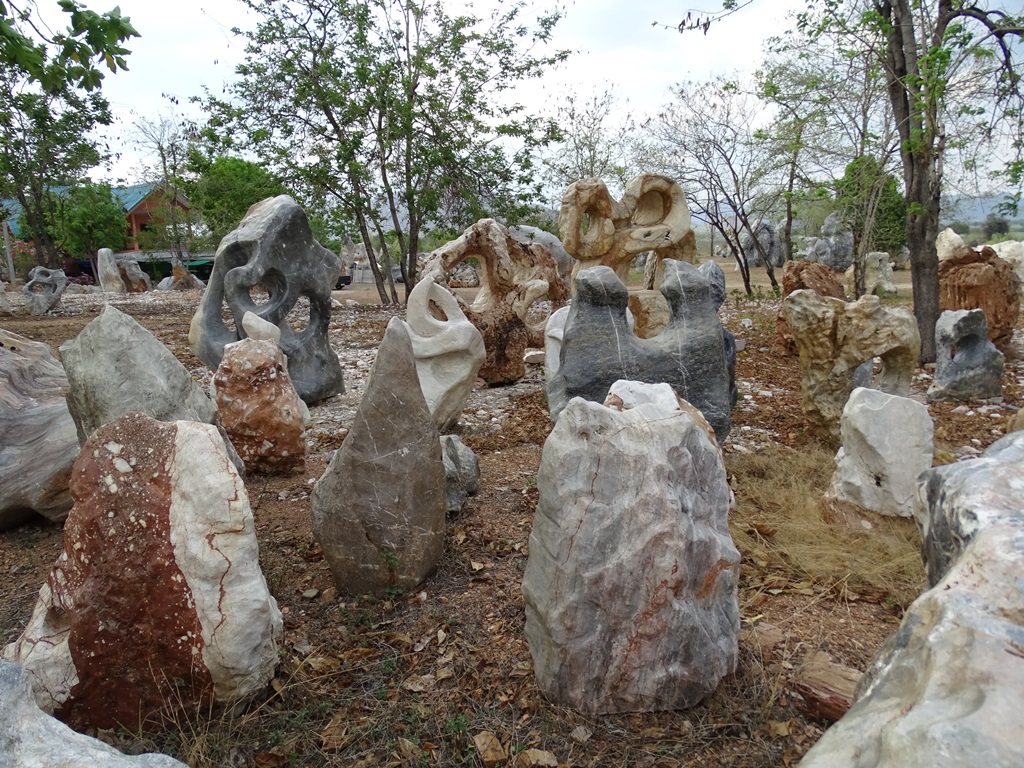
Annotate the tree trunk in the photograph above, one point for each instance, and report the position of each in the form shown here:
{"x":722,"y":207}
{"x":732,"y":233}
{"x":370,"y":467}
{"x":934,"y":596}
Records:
{"x":364,"y":232}
{"x":922,"y":231}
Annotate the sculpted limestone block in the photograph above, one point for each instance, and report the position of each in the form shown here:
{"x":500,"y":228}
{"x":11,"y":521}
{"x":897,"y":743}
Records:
{"x":1012,"y":252}
{"x":878,"y":277}
{"x":799,"y":275}
{"x":967,"y":365}
{"x":949,"y":244}
{"x":770,"y":243}
{"x":135,"y":280}
{"x":379,"y":509}
{"x":449,"y":351}
{"x":38,"y":443}
{"x":115,"y":366}
{"x":877,"y":466}
{"x":631,"y":584}
{"x":43,"y":289}
{"x":690,"y":354}
{"x":597,"y":230}
{"x":107,"y":273}
{"x":157,"y":599}
{"x":30,"y":737}
{"x":974,"y":279}
{"x":529,"y":235}
{"x":834,"y":338}
{"x":273,"y":249}
{"x":513,"y":277}
{"x":959,"y":500}
{"x":553,"y":332}
{"x":259,"y":407}
{"x":834,"y":249}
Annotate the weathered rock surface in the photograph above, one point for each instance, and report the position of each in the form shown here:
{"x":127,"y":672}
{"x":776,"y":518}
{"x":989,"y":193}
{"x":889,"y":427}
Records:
{"x":967,"y":365}
{"x":960,"y":500}
{"x":449,"y":351}
{"x":973,"y":279}
{"x":259,"y":407}
{"x":878,"y":277}
{"x":650,"y":311}
{"x":514,"y":276}
{"x":803,"y":275}
{"x":39,"y":443}
{"x":528,"y":235}
{"x":30,"y":738}
{"x":379,"y":509}
{"x":115,"y":366}
{"x":43,"y":289}
{"x":1016,"y":422}
{"x":834,"y":338}
{"x":553,"y":333}
{"x":716,"y":280}
{"x":948,"y":244}
{"x":631,"y":583}
{"x":834,"y":249}
{"x":107,"y":273}
{"x":1012,"y":252}
{"x":461,"y":471}
{"x":877,"y":466}
{"x":768,"y":242}
{"x":157,"y":600}
{"x":598,"y":230}
{"x":690,"y":354}
{"x":135,"y":280}
{"x":274,"y":248}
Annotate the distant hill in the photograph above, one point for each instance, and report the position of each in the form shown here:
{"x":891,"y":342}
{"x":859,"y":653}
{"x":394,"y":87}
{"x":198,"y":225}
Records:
{"x":972,"y":210}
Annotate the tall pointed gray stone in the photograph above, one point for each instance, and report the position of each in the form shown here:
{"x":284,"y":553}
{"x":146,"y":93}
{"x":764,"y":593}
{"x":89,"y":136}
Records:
{"x":379,"y":509}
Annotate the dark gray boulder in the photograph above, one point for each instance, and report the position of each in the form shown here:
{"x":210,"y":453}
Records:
{"x":967,"y":365}
{"x":690,"y":354}
{"x":771,"y":244}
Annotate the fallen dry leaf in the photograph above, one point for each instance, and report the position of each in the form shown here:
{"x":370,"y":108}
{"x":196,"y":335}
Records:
{"x":536,"y":758}
{"x":489,"y":749}
{"x":419,"y":683}
{"x":780,"y":727}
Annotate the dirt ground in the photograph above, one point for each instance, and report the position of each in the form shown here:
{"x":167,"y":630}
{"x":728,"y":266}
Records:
{"x":414,"y":679}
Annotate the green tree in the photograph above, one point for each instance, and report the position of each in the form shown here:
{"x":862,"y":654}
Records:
{"x":166,"y":140}
{"x":995,"y":225}
{"x":90,"y":218}
{"x":71,"y":58}
{"x":391,"y":114}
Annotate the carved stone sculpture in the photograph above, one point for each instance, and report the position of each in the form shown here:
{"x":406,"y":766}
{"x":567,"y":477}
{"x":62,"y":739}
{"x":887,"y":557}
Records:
{"x":690,"y":354}
{"x":379,"y":508}
{"x":967,"y":365}
{"x":597,"y":230}
{"x":973,"y":279}
{"x":799,"y":275}
{"x":107,"y":273}
{"x":631,"y":583}
{"x":529,"y":235}
{"x":273,"y":249}
{"x":834,"y":249}
{"x":513,"y":277}
{"x":43,"y":289}
{"x":878,"y":277}
{"x":157,"y":601}
{"x":135,"y":280}
{"x":39,"y":442}
{"x":449,"y":351}
{"x":461,"y":471}
{"x":770,"y":243}
{"x":834,"y":338}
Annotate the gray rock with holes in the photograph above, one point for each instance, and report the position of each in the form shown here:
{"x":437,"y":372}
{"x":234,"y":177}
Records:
{"x":273,"y":248}
{"x":43,"y":289}
{"x":967,"y":365}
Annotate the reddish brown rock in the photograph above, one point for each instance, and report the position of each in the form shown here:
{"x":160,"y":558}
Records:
{"x":156,"y":602}
{"x":260,"y":409}
{"x":799,"y":275}
{"x":135,"y":280}
{"x":972,"y":279}
{"x":183,"y":280}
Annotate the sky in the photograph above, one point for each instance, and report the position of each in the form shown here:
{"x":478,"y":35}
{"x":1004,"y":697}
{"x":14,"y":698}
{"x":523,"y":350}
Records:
{"x":186,"y":45}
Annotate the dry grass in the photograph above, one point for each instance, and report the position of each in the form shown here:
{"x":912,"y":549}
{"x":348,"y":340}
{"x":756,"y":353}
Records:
{"x":779,"y":522}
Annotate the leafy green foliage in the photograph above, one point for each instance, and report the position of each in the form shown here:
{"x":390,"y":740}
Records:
{"x":870,"y":201}
{"x":88,"y":219}
{"x":995,"y":225}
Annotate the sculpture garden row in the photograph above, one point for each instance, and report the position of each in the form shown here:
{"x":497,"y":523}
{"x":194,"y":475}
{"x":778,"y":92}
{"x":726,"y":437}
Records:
{"x":631,"y":585}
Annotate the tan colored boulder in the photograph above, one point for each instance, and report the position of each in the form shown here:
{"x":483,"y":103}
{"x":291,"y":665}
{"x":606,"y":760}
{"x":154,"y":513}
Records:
{"x":973,"y":279}
{"x":1016,"y":422}
{"x":260,"y":409}
{"x":514,"y":276}
{"x":803,"y":275}
{"x":650,"y":313}
{"x":183,"y":280}
{"x":134,"y":279}
{"x":834,"y":338}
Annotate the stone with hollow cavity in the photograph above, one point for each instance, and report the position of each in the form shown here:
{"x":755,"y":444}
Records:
{"x":967,"y":365}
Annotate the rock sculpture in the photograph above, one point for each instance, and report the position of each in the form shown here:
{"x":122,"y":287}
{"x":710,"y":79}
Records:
{"x":449,"y":351}
{"x":877,"y":466}
{"x":834,"y":249}
{"x":597,"y":230}
{"x":273,"y":248}
{"x":107,"y":273}
{"x":771,"y":245}
{"x":30,"y":737}
{"x":716,"y":280}
{"x":800,"y":275}
{"x":948,"y":244}
{"x":461,"y":471}
{"x":39,"y":443}
{"x":513,"y":277}
{"x":945,"y":689}
{"x":157,"y":600}
{"x":180,"y":279}
{"x":967,"y":365}
{"x":463,"y":275}
{"x":259,"y":407}
{"x":960,"y":500}
{"x":834,"y":338}
{"x":631,"y":583}
{"x":115,"y":366}
{"x":690,"y":354}
{"x":379,"y":509}
{"x":529,"y":235}
{"x":43,"y":289}
{"x":135,"y":280}
{"x":878,"y":277}
{"x":553,"y":333}
{"x":981,"y":280}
